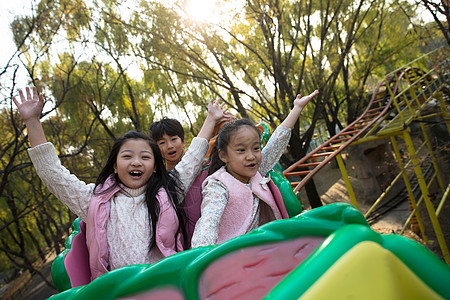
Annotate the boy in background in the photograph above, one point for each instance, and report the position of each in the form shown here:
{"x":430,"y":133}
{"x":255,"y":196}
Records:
{"x":169,"y":136}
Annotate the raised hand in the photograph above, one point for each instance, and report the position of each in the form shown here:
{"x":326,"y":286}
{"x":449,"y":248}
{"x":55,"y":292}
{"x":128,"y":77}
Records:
{"x":216,"y":110}
{"x":30,"y":107}
{"x":216,"y":113}
{"x":302,"y":101}
{"x":299,"y":104}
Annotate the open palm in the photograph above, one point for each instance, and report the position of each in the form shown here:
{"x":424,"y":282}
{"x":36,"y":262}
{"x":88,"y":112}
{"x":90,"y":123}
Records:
{"x":217,"y":111}
{"x":302,"y":101}
{"x":30,"y":106}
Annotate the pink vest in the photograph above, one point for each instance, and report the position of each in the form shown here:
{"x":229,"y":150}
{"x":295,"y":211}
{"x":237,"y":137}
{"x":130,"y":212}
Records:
{"x":236,"y":218}
{"x":192,"y":204}
{"x":96,"y":238}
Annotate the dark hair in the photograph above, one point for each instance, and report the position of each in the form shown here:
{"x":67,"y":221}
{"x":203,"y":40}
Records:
{"x":161,"y":178}
{"x":167,"y":126}
{"x":223,"y":139}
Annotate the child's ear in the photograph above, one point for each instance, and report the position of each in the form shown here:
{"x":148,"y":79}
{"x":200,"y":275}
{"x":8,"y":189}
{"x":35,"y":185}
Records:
{"x":115,"y":168}
{"x":223,"y":156}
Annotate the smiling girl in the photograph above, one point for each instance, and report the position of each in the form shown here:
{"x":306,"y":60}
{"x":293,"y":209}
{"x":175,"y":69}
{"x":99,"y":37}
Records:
{"x":237,"y":195}
{"x":132,"y":212}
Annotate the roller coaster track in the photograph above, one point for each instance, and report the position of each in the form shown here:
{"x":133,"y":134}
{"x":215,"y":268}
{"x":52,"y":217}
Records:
{"x":374,"y":120}
{"x":307,"y":167}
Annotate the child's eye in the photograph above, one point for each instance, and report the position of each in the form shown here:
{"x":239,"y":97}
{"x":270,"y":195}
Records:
{"x":146,"y":157}
{"x":174,"y":139}
{"x":257,"y":149}
{"x":240,"y":150}
{"x":161,"y":143}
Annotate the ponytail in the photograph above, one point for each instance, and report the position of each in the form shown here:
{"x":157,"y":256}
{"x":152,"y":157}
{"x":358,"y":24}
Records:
{"x":216,"y":162}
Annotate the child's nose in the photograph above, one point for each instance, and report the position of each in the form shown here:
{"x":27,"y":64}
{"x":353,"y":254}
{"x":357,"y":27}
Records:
{"x":136,"y":162}
{"x":250,"y":155}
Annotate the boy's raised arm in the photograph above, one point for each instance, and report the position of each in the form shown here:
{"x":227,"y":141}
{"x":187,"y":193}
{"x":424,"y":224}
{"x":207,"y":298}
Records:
{"x":216,"y":112}
{"x":30,"y":108}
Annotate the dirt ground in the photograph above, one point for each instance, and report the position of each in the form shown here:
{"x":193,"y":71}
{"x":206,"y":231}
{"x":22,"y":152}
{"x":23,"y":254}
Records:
{"x":331,"y":188}
{"x":28,"y":287}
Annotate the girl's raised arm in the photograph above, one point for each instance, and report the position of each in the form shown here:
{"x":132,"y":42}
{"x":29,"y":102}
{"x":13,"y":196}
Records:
{"x":30,"y":108}
{"x":299,"y":103}
{"x":280,"y":138}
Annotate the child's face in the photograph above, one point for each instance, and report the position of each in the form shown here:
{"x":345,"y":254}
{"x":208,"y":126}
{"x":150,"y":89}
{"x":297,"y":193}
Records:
{"x":243,"y":154}
{"x":135,"y":163}
{"x":172,"y":148}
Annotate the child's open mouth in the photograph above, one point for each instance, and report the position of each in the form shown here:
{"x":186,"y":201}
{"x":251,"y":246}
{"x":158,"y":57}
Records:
{"x":251,"y":166}
{"x":172,"y":153}
{"x":135,"y":173}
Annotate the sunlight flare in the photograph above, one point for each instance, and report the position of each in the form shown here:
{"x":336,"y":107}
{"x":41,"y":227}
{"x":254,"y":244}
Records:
{"x":204,"y":11}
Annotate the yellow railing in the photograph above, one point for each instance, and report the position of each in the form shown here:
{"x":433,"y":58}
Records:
{"x":415,"y":87}
{"x":399,"y":100}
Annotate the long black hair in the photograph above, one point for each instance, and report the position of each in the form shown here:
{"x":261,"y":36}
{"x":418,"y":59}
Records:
{"x":223,"y":139}
{"x":161,"y":178}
